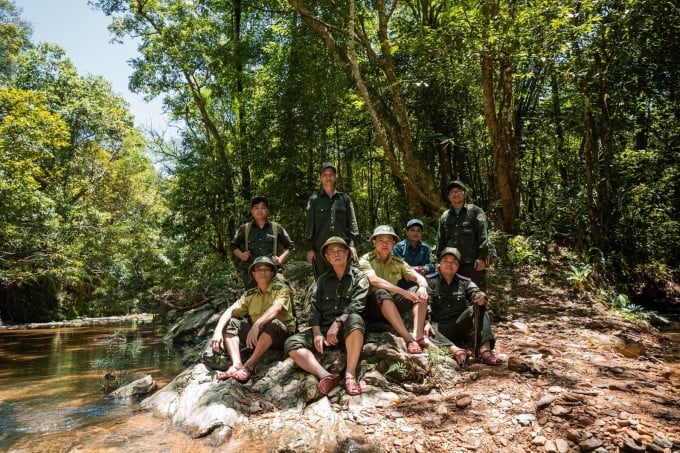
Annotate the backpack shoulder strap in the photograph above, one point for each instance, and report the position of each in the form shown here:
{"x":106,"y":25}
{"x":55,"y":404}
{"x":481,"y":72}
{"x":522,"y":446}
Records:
{"x":247,"y":232}
{"x":275,"y":232}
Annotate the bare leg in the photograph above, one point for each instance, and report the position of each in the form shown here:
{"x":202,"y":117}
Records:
{"x":419,"y":315}
{"x":390,"y":312}
{"x":264,"y":342}
{"x":353,"y":343}
{"x":304,"y":358}
{"x":231,"y":344}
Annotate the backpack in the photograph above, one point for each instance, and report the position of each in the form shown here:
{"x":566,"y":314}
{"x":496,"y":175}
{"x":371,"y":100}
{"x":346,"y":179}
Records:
{"x":275,"y":232}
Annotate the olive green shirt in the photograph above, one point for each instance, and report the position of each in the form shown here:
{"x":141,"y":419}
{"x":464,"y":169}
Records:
{"x":261,"y":240}
{"x":255,"y":303}
{"x":394,"y":269}
{"x":448,"y":302}
{"x":330,"y":216}
{"x":334,"y":297}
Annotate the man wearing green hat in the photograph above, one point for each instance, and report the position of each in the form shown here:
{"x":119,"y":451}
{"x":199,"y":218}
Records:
{"x":454,"y":299}
{"x":270,"y":310}
{"x":329,"y":213}
{"x":337,"y":305}
{"x":464,"y":226}
{"x":388,"y":301}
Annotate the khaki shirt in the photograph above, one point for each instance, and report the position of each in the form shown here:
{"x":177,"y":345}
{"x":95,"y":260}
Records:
{"x":255,"y":303}
{"x":394,"y":269}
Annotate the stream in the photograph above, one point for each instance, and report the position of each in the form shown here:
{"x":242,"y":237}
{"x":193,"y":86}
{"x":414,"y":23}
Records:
{"x":49,"y":383}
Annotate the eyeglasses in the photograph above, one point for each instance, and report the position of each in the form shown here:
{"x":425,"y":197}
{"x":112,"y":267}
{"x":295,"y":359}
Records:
{"x":457,"y":192}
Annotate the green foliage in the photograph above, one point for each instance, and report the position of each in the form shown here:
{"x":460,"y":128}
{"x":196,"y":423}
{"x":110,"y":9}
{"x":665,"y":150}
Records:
{"x":622,"y":304}
{"x":522,"y":250}
{"x":398,"y":369}
{"x":579,"y":277}
{"x":111,"y":367}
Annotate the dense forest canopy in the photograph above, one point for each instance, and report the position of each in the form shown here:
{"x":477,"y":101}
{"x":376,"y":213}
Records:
{"x":561,"y":116}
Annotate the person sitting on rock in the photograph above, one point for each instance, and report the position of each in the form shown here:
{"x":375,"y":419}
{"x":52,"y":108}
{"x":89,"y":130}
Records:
{"x":452,"y":299}
{"x":270,"y":310}
{"x":336,"y":308}
{"x":386,"y":300}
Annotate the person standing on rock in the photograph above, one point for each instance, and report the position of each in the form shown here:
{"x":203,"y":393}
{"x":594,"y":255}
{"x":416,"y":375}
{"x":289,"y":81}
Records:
{"x":452,"y":300}
{"x":414,"y":251}
{"x":270,"y":310}
{"x":386,"y":300}
{"x":337,"y":305}
{"x":329,"y":213}
{"x":464,"y":227}
{"x":260,"y":237}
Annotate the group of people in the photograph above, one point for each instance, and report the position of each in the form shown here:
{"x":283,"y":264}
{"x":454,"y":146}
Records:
{"x":427,"y":304}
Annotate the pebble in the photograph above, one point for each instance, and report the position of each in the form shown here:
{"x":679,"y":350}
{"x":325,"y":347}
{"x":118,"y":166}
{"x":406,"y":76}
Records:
{"x":562,"y":445}
{"x":629,"y":445}
{"x":539,"y":440}
{"x":549,"y":446}
{"x":525,"y":419}
{"x":590,"y":444}
{"x":463,"y":402}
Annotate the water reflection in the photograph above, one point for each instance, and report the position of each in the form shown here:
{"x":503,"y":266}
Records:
{"x":47,"y":382}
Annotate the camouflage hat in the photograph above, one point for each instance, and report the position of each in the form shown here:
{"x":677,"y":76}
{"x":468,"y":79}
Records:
{"x":450,"y":251}
{"x":384,"y":229}
{"x":333,"y":240}
{"x":262,"y":260}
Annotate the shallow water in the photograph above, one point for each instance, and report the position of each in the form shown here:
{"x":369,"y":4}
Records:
{"x":48,"y":384}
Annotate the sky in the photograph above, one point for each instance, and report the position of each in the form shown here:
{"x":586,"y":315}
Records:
{"x":82,"y":32}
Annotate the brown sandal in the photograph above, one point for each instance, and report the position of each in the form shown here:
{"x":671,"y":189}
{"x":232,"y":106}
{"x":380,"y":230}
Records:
{"x":352,"y":387}
{"x":412,"y":347}
{"x":462,"y":356}
{"x":487,"y":358}
{"x":328,"y":383}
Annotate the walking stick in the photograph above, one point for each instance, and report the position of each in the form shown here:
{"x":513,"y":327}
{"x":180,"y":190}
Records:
{"x":475,"y":322}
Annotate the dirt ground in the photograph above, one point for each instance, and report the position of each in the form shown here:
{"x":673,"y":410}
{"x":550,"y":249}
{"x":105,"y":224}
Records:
{"x":575,"y":377}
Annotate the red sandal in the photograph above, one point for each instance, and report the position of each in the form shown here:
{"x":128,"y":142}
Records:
{"x":487,"y":358}
{"x":352,"y":387}
{"x":328,"y":383}
{"x":412,"y":347}
{"x":244,"y":374}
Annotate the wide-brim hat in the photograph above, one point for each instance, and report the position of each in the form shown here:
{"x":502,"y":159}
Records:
{"x":384,"y":229}
{"x":450,"y":251}
{"x":262,"y":260}
{"x":333,"y":240}
{"x":455,"y":183}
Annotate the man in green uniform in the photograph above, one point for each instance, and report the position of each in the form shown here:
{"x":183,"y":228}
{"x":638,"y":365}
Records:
{"x":260,"y":237}
{"x":388,"y":301}
{"x":464,"y":227}
{"x":452,"y":300}
{"x":329,"y":213}
{"x":270,"y":310}
{"x":337,"y":305}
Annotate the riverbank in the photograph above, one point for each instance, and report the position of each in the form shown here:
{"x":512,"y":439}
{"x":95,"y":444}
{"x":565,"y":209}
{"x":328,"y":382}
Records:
{"x":83,"y":321}
{"x":576,"y":377}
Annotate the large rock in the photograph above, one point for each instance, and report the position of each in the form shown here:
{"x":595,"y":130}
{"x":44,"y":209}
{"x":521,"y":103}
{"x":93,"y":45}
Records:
{"x":200,"y":405}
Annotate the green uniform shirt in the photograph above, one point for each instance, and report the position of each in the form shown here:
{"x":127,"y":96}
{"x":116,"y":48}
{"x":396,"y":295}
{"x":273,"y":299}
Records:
{"x":466,"y":231}
{"x":447,"y":302}
{"x":330,"y":216}
{"x":334,"y":297}
{"x":255,"y":303}
{"x":394,"y":269}
{"x":261,"y":240}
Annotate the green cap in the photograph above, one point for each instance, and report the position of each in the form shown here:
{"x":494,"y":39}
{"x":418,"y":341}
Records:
{"x":384,"y":229}
{"x":333,"y":240}
{"x":262,"y":260}
{"x":450,"y":251}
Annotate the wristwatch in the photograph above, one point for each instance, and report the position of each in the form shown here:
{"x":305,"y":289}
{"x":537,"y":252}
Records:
{"x":339,"y":320}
